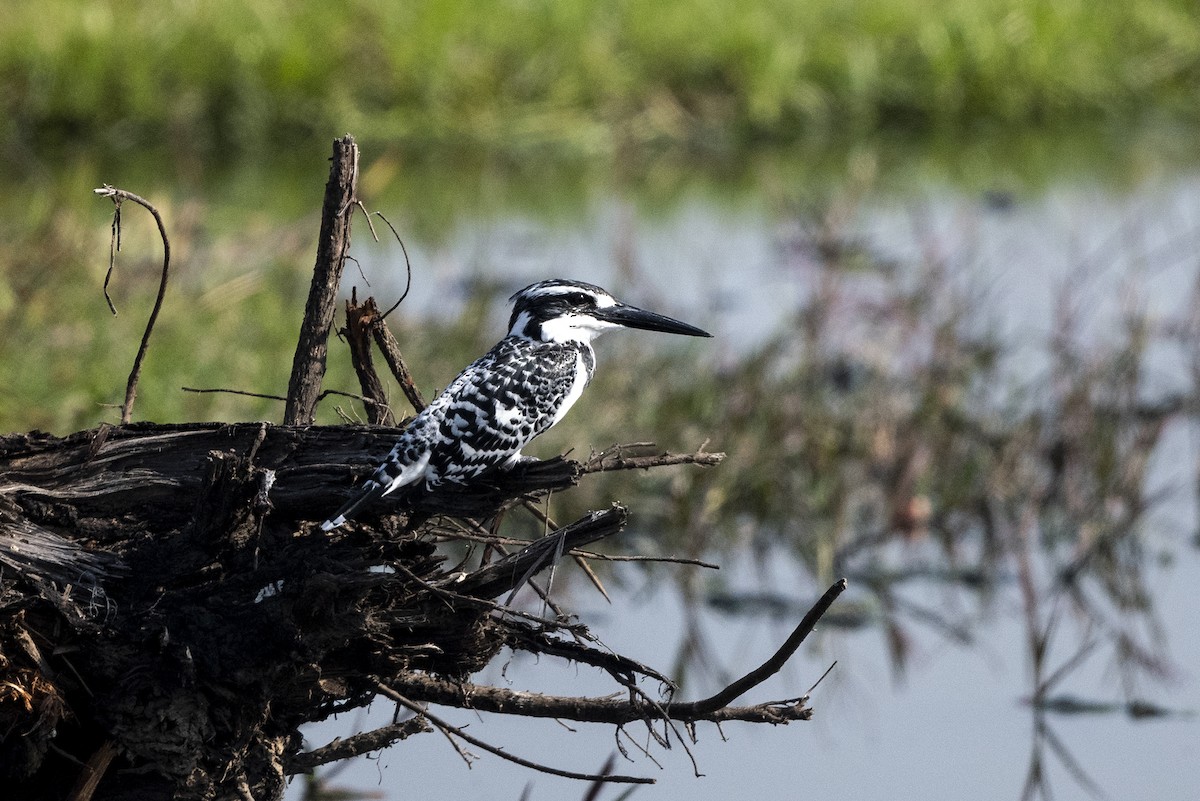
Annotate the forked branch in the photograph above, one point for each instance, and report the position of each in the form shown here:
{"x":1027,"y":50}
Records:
{"x":456,"y":731}
{"x":696,"y":710}
{"x":618,"y":711}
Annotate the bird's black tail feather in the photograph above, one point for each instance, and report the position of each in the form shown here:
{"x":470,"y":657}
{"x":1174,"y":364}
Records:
{"x":370,"y":491}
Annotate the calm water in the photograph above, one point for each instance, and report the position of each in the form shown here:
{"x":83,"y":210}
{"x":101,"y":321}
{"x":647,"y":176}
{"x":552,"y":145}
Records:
{"x":953,"y":724}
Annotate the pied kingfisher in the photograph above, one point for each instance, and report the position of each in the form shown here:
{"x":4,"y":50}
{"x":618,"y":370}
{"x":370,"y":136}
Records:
{"x":517,"y":390}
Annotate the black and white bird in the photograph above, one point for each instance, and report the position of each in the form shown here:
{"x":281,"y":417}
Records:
{"x":517,"y":390}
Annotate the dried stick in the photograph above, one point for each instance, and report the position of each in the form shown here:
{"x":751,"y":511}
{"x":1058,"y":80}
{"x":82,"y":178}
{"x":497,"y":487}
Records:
{"x":390,"y":349}
{"x":114,"y":246}
{"x":321,"y":397}
{"x":365,"y":320}
{"x":407,"y":266}
{"x":673,"y":560}
{"x":614,"y":710}
{"x":91,"y":773}
{"x":359,"y":320}
{"x":357,"y":745}
{"x":694,"y":709}
{"x":308,"y":365}
{"x":524,"y":637}
{"x":234,"y":392}
{"x":618,"y":711}
{"x":499,"y":577}
{"x":493,"y":539}
{"x":545,"y":519}
{"x":450,"y":598}
{"x":525,"y":763}
{"x":383,"y":335}
{"x":540,"y":561}
{"x":118,"y":195}
{"x":614,"y":458}
{"x":534,"y":556}
{"x":669,"y":727}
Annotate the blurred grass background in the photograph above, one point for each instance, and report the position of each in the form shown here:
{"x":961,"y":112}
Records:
{"x":222,"y":111}
{"x":574,"y":78}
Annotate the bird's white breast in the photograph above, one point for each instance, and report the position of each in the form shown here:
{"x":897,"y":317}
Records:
{"x":582,"y":376}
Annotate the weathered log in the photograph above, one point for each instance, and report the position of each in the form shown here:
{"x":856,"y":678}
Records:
{"x":171,"y":614}
{"x":166,"y":594}
{"x":159,"y":473}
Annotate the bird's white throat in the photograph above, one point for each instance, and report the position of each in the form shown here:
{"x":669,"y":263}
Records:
{"x":574,"y":328}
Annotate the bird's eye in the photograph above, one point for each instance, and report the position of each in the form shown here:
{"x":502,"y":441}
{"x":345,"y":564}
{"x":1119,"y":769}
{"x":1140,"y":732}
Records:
{"x":579,"y":299}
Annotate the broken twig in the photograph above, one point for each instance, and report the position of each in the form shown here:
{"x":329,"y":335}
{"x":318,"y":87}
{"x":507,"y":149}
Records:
{"x":333,"y":244}
{"x":458,"y":732}
{"x":118,"y":195}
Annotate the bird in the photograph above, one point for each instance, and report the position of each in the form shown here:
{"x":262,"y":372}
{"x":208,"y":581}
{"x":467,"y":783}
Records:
{"x":520,"y":388}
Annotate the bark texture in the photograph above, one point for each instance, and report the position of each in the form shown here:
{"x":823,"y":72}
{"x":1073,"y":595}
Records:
{"x":308,"y":365}
{"x":167,"y":597}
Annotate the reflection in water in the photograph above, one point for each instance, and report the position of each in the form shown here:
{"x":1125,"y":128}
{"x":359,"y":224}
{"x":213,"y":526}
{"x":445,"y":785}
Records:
{"x":888,"y":433}
{"x":907,"y":465}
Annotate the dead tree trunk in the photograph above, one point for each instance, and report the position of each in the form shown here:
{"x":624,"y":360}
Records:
{"x":163,"y":592}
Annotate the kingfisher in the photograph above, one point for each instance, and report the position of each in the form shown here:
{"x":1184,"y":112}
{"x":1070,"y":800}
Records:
{"x":514,"y":392}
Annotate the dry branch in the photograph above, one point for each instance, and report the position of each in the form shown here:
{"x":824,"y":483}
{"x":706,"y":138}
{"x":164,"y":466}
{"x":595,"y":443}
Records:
{"x":616,"y":711}
{"x":308,"y":366}
{"x":117,"y":196}
{"x":455,"y":731}
{"x":359,"y":320}
{"x":696,"y":710}
{"x":499,"y":577}
{"x":390,"y":349}
{"x":93,"y":772}
{"x":383,"y":335}
{"x":625,"y":457}
{"x":620,"y":711}
{"x":356,"y":745}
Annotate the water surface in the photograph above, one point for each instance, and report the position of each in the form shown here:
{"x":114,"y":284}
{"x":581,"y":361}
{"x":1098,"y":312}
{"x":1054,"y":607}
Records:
{"x":951,"y":718}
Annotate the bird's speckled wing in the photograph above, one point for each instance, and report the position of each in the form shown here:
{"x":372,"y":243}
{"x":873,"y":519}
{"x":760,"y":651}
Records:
{"x":484,"y":417}
{"x":499,"y":404}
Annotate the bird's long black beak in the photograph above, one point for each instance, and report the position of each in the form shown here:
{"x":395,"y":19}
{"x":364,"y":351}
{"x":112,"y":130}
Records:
{"x":633,"y":317}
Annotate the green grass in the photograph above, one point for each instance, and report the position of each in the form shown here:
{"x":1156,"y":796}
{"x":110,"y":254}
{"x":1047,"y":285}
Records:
{"x":573,"y":78}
